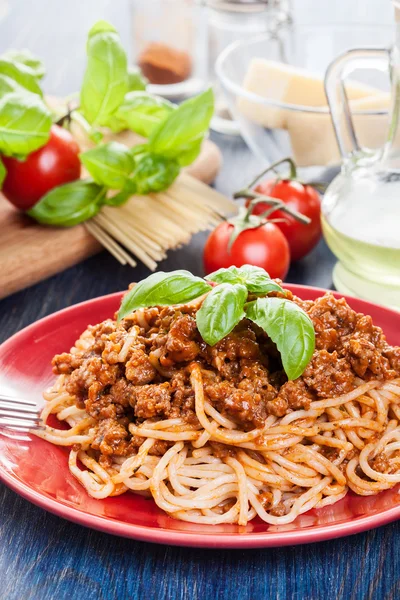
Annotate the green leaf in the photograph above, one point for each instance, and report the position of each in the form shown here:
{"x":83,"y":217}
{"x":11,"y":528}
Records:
{"x":25,"y":123}
{"x":182,"y":131}
{"x":21,"y":74}
{"x":115,"y":124}
{"x":256,"y":279}
{"x":221,"y":311}
{"x":143,"y":112}
{"x":9,"y":85}
{"x":120,"y":198}
{"x":154,"y":173}
{"x":289,"y":327}
{"x":189,"y":155}
{"x":69,"y":204}
{"x":3,"y":173}
{"x":109,"y":164}
{"x":136,"y":80}
{"x":163,"y":289}
{"x":101,"y":26}
{"x":25,"y":57}
{"x":105,"y":82}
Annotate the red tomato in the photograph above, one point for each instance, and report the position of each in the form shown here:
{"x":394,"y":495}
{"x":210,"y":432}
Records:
{"x":54,"y":164}
{"x":303,"y":198}
{"x":264,"y":247}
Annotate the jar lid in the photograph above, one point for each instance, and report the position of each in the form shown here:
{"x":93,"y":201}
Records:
{"x":242,"y":5}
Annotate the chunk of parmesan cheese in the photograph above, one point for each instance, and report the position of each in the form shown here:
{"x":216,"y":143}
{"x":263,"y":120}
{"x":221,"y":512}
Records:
{"x":313,"y":139}
{"x":285,"y":83}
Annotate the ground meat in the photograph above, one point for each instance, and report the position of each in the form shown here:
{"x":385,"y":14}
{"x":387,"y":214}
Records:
{"x":159,"y":448}
{"x":65,"y":363}
{"x":328,"y":313}
{"x":152,"y":400}
{"x":110,"y":438}
{"x":122,"y":392}
{"x":243,"y":407}
{"x":180,"y":343}
{"x":222,"y":451}
{"x":240,"y":344}
{"x":328,"y":375}
{"x":101,"y":406}
{"x":393,"y":355}
{"x":380,"y":463}
{"x":182,"y":403}
{"x":243,"y":376}
{"x":296,"y":395}
{"x":92,"y":370}
{"x":254,"y":377}
{"x":139,"y":369}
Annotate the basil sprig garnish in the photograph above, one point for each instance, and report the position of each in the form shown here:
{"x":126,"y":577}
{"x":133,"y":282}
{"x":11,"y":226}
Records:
{"x":226,"y":304}
{"x":112,"y":96}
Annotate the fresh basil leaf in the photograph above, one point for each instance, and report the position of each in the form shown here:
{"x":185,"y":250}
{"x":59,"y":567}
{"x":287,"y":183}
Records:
{"x":190,"y":153}
{"x":3,"y":173}
{"x":25,"y":57}
{"x":120,"y":198}
{"x":115,"y":124}
{"x":21,"y":74}
{"x":9,"y":85}
{"x":69,"y":204}
{"x":143,"y":112}
{"x":289,"y":327}
{"x":154,"y":173}
{"x":181,"y":131}
{"x":221,"y":311}
{"x":254,"y":278}
{"x":105,"y":81}
{"x":136,"y":80}
{"x":229,"y":275}
{"x":25,"y":123}
{"x":109,"y":164}
{"x":163,"y":289}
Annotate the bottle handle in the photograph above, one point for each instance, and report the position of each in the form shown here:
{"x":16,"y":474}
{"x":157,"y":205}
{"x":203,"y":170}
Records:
{"x":338,"y":70}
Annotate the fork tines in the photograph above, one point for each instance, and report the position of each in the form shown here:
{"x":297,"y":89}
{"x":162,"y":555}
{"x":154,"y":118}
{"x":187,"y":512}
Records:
{"x":18,"y":414}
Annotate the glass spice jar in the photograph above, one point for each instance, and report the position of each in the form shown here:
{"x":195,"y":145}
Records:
{"x":233,"y":20}
{"x":169,"y":44}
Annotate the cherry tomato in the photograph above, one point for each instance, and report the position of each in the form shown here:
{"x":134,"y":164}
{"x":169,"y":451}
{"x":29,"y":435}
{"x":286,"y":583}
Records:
{"x":265,"y":247}
{"x":302,"y":198}
{"x":57,"y":162}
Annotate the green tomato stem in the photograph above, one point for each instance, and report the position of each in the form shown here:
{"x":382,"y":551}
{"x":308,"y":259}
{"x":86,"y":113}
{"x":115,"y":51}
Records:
{"x":275,"y":203}
{"x":272,"y":167}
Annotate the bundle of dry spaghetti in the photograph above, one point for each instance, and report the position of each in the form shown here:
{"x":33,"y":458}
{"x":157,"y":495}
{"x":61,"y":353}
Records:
{"x":147,"y":226}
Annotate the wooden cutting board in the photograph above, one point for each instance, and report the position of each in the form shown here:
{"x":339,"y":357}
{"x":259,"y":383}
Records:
{"x":30,"y":252}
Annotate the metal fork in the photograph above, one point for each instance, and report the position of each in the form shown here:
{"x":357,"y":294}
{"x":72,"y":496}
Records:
{"x":18,"y":414}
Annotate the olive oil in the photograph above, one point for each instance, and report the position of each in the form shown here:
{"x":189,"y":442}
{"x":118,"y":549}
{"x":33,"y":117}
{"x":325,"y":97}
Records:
{"x":364,"y":234}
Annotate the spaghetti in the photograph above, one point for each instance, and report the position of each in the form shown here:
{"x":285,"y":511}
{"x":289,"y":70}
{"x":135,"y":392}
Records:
{"x":218,"y":435}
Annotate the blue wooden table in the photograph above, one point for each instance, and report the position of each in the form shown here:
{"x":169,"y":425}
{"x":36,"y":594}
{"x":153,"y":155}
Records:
{"x":43,"y":557}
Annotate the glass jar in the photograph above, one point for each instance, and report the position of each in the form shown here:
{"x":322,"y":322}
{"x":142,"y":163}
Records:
{"x":234,"y":20}
{"x":361,"y":207}
{"x":169,"y":44}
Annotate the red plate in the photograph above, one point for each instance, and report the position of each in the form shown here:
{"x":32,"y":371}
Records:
{"x":38,"y":471}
